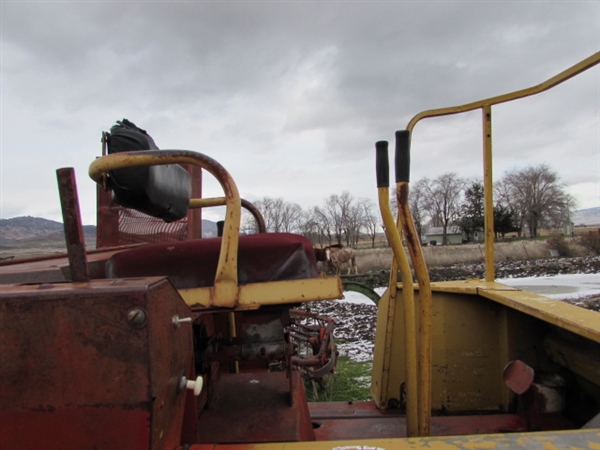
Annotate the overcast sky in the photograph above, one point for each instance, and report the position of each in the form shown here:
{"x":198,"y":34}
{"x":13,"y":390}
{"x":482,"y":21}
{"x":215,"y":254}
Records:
{"x":292,"y":96}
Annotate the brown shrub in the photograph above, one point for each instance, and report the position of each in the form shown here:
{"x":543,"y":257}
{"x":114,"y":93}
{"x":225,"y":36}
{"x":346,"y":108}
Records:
{"x":590,"y":242}
{"x":559,"y":243}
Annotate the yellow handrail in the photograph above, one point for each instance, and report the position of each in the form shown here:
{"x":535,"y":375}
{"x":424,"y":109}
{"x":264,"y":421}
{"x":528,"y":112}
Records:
{"x":221,"y":201}
{"x":225,"y":289}
{"x":549,"y":83}
{"x":406,"y":225}
{"x":485,"y":105}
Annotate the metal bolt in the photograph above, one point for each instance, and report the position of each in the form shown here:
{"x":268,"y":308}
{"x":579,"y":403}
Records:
{"x":136,"y":317}
{"x":177,"y":321}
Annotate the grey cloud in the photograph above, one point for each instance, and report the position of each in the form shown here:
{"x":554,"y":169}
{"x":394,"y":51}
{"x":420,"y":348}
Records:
{"x":253,"y":77}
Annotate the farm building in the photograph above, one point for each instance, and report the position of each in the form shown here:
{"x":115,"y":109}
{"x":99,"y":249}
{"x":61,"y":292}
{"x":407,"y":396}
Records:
{"x":435,"y":235}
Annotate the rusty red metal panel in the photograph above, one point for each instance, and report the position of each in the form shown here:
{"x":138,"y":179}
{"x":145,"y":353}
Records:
{"x":92,"y":365}
{"x":107,"y":219}
{"x":171,"y":355}
{"x":360,"y":420}
{"x":257,"y":407}
{"x":261,"y":257}
{"x":77,"y":427}
{"x":52,"y":269}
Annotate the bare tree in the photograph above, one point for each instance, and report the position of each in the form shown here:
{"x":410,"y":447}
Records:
{"x":370,"y":219}
{"x":280,"y":216}
{"x":353,"y":223}
{"x":314,"y":228}
{"x":539,"y":197}
{"x":336,"y":210}
{"x":308,"y":227}
{"x":416,"y":201}
{"x":442,"y":200}
{"x":323,"y":225}
{"x":248,"y":223}
{"x":345,"y":218}
{"x":291,"y":217}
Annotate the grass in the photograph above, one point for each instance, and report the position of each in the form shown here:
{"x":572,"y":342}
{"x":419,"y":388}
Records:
{"x":350,"y":382}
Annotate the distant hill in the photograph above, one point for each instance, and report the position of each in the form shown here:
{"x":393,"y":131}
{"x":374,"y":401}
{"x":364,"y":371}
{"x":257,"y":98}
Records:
{"x":32,"y":232}
{"x":589,"y":216}
{"x":20,"y":228}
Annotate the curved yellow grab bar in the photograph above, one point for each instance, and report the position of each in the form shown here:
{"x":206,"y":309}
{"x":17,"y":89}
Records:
{"x":486,"y":108}
{"x":220,"y":201}
{"x":549,"y":83}
{"x":225,"y":290}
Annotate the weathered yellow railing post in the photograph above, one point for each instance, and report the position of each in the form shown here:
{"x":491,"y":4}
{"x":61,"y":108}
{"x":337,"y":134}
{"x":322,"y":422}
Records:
{"x":488,"y":189}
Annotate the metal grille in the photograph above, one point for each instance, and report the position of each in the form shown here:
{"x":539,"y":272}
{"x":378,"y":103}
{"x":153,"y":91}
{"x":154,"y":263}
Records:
{"x":136,"y":227}
{"x":123,"y":226}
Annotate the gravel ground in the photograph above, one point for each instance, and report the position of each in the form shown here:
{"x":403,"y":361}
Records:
{"x":504,"y":269}
{"x":355,"y":329}
{"x":519,"y":269}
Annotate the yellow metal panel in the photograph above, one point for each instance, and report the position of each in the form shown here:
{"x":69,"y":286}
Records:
{"x":293,"y":291}
{"x":468,"y":352}
{"x":470,"y":286}
{"x":579,"y":320}
{"x":467,"y":363}
{"x":504,"y":353}
{"x":250,"y":296}
{"x":554,"y":440}
{"x":384,"y":351}
{"x":583,"y":363}
{"x":473,"y":339}
{"x":197,"y":297}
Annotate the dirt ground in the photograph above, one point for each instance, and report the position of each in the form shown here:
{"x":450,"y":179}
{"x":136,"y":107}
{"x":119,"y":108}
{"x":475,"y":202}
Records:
{"x":505,"y":269}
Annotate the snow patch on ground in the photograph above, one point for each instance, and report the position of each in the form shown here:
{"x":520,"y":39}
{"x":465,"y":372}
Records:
{"x":559,"y":286}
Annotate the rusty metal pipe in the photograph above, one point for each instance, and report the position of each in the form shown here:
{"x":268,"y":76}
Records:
{"x":74,"y":237}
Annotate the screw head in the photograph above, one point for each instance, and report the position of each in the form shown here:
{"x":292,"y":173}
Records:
{"x":136,"y":317}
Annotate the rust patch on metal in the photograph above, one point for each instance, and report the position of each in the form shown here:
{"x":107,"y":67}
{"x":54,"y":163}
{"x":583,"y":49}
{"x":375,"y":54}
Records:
{"x":74,"y":237}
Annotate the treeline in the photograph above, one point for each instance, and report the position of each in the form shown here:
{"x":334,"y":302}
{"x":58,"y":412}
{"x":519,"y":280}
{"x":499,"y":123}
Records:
{"x":525,"y":200}
{"x":342,"y":219}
